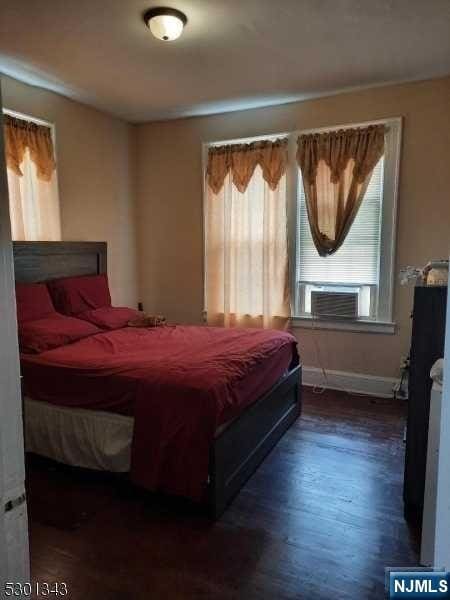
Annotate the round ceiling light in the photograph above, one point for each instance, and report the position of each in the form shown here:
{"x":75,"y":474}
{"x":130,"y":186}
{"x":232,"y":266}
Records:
{"x":166,"y":24}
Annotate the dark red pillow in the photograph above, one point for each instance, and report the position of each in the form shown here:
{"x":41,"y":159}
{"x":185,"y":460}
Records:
{"x":33,"y":302}
{"x":52,"y":332}
{"x":74,"y":295}
{"x":110,"y":317}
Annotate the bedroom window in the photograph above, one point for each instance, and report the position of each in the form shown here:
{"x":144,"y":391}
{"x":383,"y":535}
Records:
{"x":246,"y":254}
{"x":352,"y":288}
{"x":32,"y":178}
{"x":349,"y":288}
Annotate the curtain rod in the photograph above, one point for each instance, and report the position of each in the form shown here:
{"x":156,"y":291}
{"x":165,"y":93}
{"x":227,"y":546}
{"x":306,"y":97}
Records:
{"x":297,"y":132}
{"x":349,"y":126}
{"x":23,"y":117}
{"x":248,"y":140}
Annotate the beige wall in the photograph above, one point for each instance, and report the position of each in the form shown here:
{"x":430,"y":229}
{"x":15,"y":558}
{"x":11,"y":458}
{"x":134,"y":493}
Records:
{"x":120,"y":183}
{"x":95,"y":154}
{"x":169,"y":206}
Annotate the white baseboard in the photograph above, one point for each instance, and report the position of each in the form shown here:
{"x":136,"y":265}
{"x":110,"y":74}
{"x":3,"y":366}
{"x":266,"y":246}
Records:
{"x":358,"y":383}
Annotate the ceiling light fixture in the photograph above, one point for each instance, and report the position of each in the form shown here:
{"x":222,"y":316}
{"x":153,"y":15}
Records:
{"x":166,"y":24}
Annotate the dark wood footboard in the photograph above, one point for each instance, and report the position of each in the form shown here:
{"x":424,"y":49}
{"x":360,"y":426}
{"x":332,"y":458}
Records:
{"x":241,"y":447}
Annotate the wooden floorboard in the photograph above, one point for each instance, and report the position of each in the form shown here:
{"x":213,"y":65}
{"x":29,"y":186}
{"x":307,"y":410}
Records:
{"x":321,"y":518}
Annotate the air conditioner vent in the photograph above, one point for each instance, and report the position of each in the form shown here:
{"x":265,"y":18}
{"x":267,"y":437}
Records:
{"x":334,"y":305}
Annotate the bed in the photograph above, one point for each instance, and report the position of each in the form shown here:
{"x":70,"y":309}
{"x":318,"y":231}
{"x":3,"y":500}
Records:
{"x":222,"y":459}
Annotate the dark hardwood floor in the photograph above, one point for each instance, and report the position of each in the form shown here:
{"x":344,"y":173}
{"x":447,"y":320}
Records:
{"x":320,"y":519}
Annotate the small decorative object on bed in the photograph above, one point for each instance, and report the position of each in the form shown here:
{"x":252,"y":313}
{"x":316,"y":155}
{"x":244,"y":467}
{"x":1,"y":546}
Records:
{"x":207,"y":403}
{"x":145,"y":320}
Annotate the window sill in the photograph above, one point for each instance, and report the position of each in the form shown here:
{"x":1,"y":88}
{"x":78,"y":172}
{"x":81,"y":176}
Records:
{"x":361,"y":325}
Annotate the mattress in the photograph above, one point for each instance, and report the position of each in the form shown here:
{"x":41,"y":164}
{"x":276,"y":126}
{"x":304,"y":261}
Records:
{"x":78,"y":437}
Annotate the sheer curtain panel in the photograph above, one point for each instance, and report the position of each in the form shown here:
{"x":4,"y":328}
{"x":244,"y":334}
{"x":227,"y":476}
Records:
{"x":246,"y":235}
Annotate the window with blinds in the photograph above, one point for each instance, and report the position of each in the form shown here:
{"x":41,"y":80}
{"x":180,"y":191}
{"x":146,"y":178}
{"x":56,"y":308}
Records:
{"x":355,"y":267}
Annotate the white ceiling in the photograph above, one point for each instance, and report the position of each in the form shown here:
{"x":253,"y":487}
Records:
{"x":233,"y":54}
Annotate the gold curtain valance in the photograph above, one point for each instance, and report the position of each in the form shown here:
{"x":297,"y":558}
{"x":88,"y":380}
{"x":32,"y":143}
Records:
{"x":336,"y":169}
{"x":242,"y":159}
{"x":364,"y":146}
{"x":20,"y":135}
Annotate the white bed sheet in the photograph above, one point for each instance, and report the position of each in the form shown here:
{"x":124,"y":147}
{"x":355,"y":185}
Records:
{"x":78,"y":437}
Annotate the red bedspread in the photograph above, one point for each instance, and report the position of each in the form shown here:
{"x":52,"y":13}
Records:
{"x":180,"y":383}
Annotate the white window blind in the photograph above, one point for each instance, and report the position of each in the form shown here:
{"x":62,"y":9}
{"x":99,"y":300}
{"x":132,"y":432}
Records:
{"x":357,"y":262}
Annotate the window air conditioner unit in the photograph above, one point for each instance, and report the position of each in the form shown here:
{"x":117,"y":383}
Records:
{"x":334,"y":305}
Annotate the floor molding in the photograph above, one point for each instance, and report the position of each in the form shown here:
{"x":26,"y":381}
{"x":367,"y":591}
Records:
{"x":359,"y":383}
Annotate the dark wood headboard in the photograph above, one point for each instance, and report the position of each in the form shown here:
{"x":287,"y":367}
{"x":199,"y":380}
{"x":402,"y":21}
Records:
{"x":42,"y":261}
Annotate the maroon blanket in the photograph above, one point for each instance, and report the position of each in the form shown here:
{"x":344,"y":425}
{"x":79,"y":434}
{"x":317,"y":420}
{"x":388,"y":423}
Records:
{"x":180,"y":384}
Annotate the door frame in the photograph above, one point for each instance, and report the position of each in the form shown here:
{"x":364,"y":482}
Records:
{"x":14,"y":556}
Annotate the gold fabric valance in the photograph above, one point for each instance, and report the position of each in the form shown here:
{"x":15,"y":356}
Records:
{"x":365,"y":146}
{"x":336,"y":168}
{"x":20,"y":135}
{"x":242,"y":159}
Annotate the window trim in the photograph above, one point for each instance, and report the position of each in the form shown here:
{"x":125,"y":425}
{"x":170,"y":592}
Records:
{"x":357,"y":325}
{"x":383,"y":323}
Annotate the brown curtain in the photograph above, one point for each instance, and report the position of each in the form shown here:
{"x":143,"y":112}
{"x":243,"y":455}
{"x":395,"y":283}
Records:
{"x":20,"y":136}
{"x":241,"y":160}
{"x":336,"y":169}
{"x":246,"y":241}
